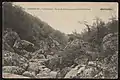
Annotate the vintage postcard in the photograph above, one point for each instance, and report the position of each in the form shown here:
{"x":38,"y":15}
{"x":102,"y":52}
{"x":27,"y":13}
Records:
{"x":75,"y":40}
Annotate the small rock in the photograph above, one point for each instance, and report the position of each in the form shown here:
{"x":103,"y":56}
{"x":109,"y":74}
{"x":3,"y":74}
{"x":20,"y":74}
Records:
{"x":53,"y":74}
{"x":29,"y":74}
{"x":49,"y":57}
{"x":43,"y":75}
{"x":13,"y":69}
{"x":33,"y":67}
{"x":72,"y":72}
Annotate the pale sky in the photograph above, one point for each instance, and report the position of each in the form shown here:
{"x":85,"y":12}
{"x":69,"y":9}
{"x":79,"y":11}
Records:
{"x":67,"y":20}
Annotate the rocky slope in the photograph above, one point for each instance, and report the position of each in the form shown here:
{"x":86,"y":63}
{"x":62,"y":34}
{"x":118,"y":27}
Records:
{"x":27,"y":43}
{"x":33,"y":49}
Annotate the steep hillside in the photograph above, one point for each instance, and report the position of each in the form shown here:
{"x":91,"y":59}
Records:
{"x":27,"y":26}
{"x":33,"y":49}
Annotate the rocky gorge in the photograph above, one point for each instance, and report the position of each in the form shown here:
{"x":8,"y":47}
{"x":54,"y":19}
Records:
{"x":33,"y":49}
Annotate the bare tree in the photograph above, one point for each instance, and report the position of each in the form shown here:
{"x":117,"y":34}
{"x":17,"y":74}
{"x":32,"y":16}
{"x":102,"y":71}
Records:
{"x":97,"y":25}
{"x":87,"y":25}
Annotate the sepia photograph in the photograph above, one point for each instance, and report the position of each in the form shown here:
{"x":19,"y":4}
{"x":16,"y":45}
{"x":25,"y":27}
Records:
{"x":60,"y":40}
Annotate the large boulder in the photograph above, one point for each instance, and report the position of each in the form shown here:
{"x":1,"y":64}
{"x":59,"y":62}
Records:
{"x":13,"y":59}
{"x":63,"y":72}
{"x":13,"y":70}
{"x":43,"y":75}
{"x":24,"y":45}
{"x":93,"y":55}
{"x":33,"y":67}
{"x":37,"y":65}
{"x":81,"y":60}
{"x":6,"y":46}
{"x":44,"y":69}
{"x":46,"y":73}
{"x":92,"y":63}
{"x":10,"y":37}
{"x":72,"y":73}
{"x":110,"y":42}
{"x":7,"y":58}
{"x":111,"y":69}
{"x":29,"y":74}
{"x":78,"y":44}
{"x":82,"y":71}
{"x":53,"y":74}
{"x":9,"y":75}
{"x":24,"y":48}
{"x":50,"y":56}
{"x":88,"y":72}
{"x":53,"y":63}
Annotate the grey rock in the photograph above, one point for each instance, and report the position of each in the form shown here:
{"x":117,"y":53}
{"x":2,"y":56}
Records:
{"x":44,"y":75}
{"x":53,"y":74}
{"x":110,"y":41}
{"x":63,"y":72}
{"x":13,"y":59}
{"x":81,"y":60}
{"x":38,"y":56}
{"x":72,"y":72}
{"x":24,"y":45}
{"x":33,"y":67}
{"x":50,"y":56}
{"x":13,"y":69}
{"x":10,"y":37}
{"x":9,"y":75}
{"x":29,"y":74}
{"x":6,"y":46}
